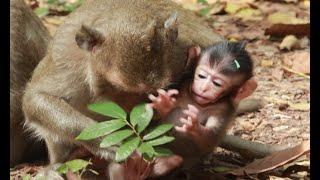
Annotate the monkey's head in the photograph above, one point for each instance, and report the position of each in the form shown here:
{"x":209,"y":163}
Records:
{"x":222,"y":69}
{"x":132,"y":56}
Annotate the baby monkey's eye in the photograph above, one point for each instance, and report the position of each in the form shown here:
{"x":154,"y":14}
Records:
{"x":201,"y":76}
{"x":217,"y":84}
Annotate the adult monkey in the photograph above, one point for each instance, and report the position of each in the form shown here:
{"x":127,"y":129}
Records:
{"x":28,"y":45}
{"x":106,"y":50}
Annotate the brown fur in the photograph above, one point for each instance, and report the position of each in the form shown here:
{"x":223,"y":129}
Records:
{"x":28,"y":45}
{"x":137,"y":48}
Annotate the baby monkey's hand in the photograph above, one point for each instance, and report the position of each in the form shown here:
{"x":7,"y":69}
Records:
{"x":191,"y":125}
{"x":165,"y":101}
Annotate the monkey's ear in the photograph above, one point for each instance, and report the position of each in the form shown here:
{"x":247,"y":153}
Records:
{"x":193,"y":56}
{"x":245,"y":90}
{"x":87,"y":38}
{"x":171,"y":27}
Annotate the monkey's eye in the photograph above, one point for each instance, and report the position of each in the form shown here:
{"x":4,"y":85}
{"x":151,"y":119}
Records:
{"x":201,"y":76}
{"x":216,"y":84}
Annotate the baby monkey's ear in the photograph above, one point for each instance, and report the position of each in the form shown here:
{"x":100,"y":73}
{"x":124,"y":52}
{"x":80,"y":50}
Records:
{"x":245,"y":90}
{"x":193,"y":56}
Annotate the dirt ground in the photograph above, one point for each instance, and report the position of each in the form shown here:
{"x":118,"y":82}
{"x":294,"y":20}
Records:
{"x":285,"y":119}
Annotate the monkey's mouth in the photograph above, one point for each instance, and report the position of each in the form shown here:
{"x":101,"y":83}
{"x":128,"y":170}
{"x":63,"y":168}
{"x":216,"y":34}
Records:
{"x":197,"y":96}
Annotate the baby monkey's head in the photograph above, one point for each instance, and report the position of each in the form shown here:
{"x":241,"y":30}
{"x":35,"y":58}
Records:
{"x":221,"y":70}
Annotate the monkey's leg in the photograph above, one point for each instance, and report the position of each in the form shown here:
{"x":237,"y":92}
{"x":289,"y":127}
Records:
{"x":59,"y":151}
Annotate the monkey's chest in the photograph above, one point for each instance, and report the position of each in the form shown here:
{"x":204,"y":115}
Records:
{"x":183,"y":145}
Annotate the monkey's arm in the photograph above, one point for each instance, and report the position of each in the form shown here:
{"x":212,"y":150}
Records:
{"x":53,"y":118}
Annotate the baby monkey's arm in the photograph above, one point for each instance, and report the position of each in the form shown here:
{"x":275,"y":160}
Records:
{"x":165,"y":101}
{"x":205,"y":136}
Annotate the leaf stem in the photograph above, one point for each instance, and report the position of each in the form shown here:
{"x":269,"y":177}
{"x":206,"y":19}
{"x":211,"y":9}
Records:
{"x":134,"y":130}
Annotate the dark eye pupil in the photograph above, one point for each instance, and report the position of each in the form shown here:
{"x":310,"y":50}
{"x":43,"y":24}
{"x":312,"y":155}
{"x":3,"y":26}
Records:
{"x":217,"y":84}
{"x":201,"y":76}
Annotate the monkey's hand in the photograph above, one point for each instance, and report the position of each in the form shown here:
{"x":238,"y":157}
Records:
{"x":136,"y":168}
{"x":191,"y":126}
{"x":165,"y":101}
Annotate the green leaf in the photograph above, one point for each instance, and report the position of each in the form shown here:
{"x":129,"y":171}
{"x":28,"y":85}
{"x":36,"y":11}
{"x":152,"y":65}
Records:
{"x":52,"y":1}
{"x":157,"y":131}
{"x":63,"y":169}
{"x":101,"y":129}
{"x":160,"y":151}
{"x":145,"y":148}
{"x":26,"y":177}
{"x":115,"y":138}
{"x":127,"y":149}
{"x":141,"y":115}
{"x":161,"y":140}
{"x":204,"y":11}
{"x":203,"y":1}
{"x":69,"y":7}
{"x":42,"y":11}
{"x":110,"y":109}
{"x":221,"y":169}
{"x":77,"y":164}
{"x":136,"y":113}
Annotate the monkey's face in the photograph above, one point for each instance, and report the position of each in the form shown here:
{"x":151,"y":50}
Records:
{"x":132,"y":68}
{"x":208,"y":84}
{"x":134,"y":56}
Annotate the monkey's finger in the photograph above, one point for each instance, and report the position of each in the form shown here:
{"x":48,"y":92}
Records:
{"x":172,"y":92}
{"x":193,"y":108}
{"x":190,"y":114}
{"x":190,"y":121}
{"x":152,"y":97}
{"x":185,"y":121}
{"x":180,"y":129}
{"x":173,"y":100}
{"x":151,"y":105}
{"x":163,"y":95}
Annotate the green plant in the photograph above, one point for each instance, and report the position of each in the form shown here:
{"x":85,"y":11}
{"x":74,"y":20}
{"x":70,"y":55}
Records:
{"x":130,"y":134}
{"x":77,"y":166}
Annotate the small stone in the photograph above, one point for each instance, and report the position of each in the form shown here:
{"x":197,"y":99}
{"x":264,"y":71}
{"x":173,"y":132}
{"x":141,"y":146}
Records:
{"x":283,"y":106}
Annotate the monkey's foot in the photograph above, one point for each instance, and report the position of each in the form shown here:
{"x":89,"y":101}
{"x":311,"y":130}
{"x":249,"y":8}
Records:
{"x":164,"y":165}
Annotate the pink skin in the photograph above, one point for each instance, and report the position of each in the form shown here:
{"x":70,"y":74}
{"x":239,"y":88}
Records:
{"x":165,"y":102}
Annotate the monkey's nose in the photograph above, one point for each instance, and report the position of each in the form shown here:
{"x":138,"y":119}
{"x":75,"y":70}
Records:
{"x":204,"y":87}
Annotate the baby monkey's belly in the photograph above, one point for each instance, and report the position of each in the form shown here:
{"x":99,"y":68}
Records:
{"x":183,"y":145}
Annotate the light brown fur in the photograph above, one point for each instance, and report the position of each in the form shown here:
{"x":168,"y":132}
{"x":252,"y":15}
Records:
{"x":28,"y":45}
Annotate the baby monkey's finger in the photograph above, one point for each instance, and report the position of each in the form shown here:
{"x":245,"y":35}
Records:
{"x":190,"y":114}
{"x":163,"y":95}
{"x":185,"y":121}
{"x":172,"y":92}
{"x":180,"y":129}
{"x":193,"y":108}
{"x":152,"y":97}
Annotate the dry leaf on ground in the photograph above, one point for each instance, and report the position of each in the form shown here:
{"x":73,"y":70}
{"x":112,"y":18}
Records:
{"x":274,"y":160}
{"x":277,"y":73}
{"x":266,"y":63}
{"x":285,"y":18}
{"x":301,"y":62}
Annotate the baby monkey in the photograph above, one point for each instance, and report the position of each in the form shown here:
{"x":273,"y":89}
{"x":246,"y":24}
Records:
{"x":204,"y":107}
